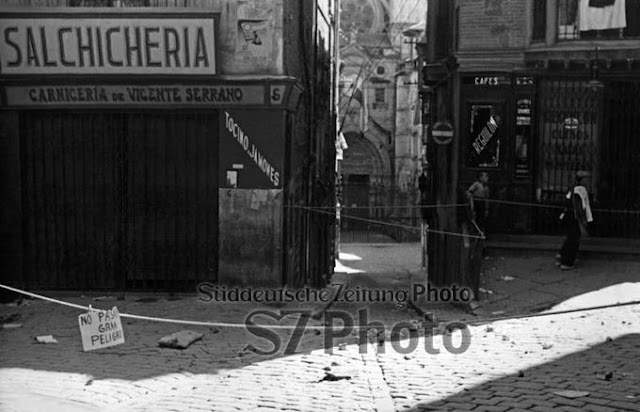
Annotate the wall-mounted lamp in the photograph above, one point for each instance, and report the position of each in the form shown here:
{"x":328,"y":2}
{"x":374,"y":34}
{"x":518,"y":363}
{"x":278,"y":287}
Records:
{"x":595,"y":84}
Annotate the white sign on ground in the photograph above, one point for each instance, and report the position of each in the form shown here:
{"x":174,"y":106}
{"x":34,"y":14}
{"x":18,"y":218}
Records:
{"x":101,"y":329}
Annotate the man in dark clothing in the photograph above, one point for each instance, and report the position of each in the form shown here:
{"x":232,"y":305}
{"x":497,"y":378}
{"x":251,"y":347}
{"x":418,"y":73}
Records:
{"x":575,"y":217}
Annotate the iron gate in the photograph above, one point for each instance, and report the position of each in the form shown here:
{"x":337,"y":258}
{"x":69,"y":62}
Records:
{"x":585,"y":128}
{"x":119,"y":200}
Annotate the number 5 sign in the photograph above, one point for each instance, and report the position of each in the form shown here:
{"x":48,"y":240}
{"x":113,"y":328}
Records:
{"x":277,"y":93}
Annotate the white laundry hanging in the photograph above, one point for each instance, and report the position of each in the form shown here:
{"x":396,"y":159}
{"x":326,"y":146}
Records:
{"x":602,"y":18}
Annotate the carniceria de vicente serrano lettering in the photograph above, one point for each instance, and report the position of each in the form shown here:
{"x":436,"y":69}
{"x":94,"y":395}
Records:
{"x":154,"y":94}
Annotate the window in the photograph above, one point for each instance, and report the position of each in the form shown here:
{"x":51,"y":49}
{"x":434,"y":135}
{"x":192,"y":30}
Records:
{"x":380,"y":95}
{"x":588,"y":19}
{"x":539,"y":20}
{"x":484,"y":136}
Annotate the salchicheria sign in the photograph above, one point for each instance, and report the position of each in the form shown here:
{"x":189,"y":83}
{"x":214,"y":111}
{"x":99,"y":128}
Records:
{"x":41,"y":44}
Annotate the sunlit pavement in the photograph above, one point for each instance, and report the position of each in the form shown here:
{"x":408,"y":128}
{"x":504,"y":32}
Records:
{"x":510,"y":365}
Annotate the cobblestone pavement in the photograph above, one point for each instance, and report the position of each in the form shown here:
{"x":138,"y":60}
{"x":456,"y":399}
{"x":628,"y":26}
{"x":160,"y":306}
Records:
{"x":510,"y":365}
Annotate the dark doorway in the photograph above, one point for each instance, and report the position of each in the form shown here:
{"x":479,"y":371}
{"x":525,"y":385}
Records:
{"x":356,"y":202}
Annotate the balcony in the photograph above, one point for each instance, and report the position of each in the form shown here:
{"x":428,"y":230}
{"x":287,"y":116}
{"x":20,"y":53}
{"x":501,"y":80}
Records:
{"x":595,"y":19}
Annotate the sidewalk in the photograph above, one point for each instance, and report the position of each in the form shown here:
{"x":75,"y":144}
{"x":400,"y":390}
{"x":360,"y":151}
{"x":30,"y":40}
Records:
{"x":510,"y":365}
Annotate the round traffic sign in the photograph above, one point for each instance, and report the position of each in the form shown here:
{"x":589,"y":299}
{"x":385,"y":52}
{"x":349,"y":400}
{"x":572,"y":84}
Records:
{"x":442,"y":133}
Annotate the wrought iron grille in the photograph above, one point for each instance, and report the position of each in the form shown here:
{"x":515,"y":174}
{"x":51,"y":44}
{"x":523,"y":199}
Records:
{"x":581,"y":128}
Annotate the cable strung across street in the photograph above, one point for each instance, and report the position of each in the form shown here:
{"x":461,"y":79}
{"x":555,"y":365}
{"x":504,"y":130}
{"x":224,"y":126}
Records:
{"x":310,"y":327}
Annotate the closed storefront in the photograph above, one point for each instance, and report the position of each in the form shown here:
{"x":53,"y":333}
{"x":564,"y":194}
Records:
{"x":130,"y":162}
{"x":117,"y":199}
{"x":531,"y":133}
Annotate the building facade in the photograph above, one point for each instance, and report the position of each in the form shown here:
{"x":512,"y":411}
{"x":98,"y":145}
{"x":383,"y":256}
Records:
{"x":534,"y":91}
{"x":378,"y":101}
{"x":158,"y":144}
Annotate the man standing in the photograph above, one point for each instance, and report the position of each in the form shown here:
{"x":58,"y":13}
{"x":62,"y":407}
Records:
{"x":575,"y":217}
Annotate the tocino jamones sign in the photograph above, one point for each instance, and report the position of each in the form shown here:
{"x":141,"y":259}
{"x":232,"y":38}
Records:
{"x":113,"y":44}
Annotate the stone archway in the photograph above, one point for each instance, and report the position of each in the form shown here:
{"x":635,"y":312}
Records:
{"x":361,"y":157}
{"x":366,"y":174}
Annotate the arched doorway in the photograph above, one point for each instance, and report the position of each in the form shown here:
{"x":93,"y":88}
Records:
{"x":363,"y":173}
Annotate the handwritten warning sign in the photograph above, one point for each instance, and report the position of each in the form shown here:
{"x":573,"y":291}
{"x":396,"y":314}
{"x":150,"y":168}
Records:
{"x":101,"y":329}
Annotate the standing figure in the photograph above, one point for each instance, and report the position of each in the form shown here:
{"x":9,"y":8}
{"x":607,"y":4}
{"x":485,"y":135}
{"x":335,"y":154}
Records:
{"x":575,"y":217}
{"x":423,"y":186}
{"x":478,"y":194}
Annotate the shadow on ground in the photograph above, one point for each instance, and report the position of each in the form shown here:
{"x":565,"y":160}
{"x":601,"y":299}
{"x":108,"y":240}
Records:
{"x":609,"y":382}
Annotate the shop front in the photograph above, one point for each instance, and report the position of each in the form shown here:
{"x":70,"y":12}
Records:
{"x":532,"y":132}
{"x":496,"y":132}
{"x":130,"y":162}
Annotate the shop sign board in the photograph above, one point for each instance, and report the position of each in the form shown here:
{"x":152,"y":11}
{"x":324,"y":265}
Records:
{"x":107,"y":44}
{"x":136,"y":95}
{"x":253,"y":143}
{"x":488,"y":80}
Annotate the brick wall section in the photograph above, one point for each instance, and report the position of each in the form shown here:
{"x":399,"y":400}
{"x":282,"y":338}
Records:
{"x":493,"y":24}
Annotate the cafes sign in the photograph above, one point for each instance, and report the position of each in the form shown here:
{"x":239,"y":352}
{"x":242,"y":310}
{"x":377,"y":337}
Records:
{"x":107,"y":44}
{"x":492,"y":80}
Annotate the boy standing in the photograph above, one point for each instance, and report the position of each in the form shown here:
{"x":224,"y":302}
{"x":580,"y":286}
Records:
{"x":478,"y":193}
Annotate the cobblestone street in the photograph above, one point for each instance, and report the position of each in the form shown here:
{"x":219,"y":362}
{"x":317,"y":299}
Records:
{"x":510,"y":365}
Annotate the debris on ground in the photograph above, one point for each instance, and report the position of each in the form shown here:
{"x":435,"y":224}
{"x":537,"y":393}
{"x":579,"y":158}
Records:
{"x":473,"y":306}
{"x":11,"y":325}
{"x":332,"y":378}
{"x":104,"y":298}
{"x":179,"y":340}
{"x":605,"y":376}
{"x":45,"y":339}
{"x":483,"y":290}
{"x":9,"y":318}
{"x":507,"y":278}
{"x":546,"y":346}
{"x":498,"y":312}
{"x":19,"y":302}
{"x":147,"y":300}
{"x":571,"y":394}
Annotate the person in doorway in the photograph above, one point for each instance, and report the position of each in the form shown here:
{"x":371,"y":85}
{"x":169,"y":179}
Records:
{"x":478,"y":194}
{"x":423,"y":186}
{"x":575,"y":217}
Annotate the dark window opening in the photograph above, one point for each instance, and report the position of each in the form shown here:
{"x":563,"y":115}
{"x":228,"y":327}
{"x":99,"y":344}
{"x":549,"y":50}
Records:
{"x":539,"y":20}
